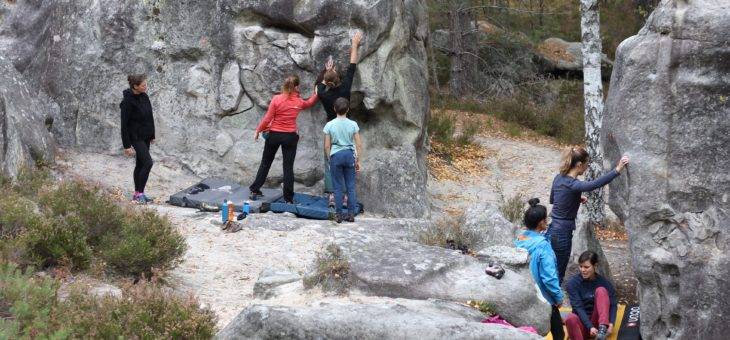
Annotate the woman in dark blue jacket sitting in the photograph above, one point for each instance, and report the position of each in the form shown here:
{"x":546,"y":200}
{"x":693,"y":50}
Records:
{"x":593,"y":300}
{"x":565,"y":196}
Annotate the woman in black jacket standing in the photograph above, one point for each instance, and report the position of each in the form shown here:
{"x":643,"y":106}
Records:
{"x":138,"y":131}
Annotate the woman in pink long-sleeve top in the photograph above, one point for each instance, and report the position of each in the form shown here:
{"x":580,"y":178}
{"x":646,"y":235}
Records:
{"x":280,"y":122}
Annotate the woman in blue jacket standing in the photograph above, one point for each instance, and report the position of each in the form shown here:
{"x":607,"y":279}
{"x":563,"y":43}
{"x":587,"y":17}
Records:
{"x":565,"y":196}
{"x":542,"y":262}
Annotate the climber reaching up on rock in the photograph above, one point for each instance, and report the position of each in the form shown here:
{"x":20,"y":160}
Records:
{"x":565,"y":196}
{"x":331,"y":86}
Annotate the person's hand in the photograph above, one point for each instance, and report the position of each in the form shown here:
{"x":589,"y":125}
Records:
{"x":129,"y":152}
{"x":256,"y":138}
{"x":610,"y":328}
{"x":356,"y":38}
{"x":583,"y":199}
{"x":559,"y":304}
{"x":330,"y":64}
{"x":357,"y":166}
{"x":622,"y":163}
{"x":594,"y":332}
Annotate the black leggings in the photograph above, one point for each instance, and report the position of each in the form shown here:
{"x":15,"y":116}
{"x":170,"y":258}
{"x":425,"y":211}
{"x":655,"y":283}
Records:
{"x":288,"y":142}
{"x":143,"y":165}
{"x":556,"y":324}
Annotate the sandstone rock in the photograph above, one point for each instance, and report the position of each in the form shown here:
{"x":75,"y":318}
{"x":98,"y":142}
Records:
{"x":486,"y":223}
{"x":25,"y":112}
{"x":394,"y":319}
{"x":584,"y":238}
{"x":396,"y":268}
{"x":562,"y":55}
{"x":213,"y":68}
{"x":508,"y":256}
{"x":270,"y":279}
{"x":668,"y":109}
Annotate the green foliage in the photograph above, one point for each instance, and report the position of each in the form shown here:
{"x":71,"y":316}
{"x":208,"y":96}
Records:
{"x":74,"y":224}
{"x":27,"y":305}
{"x":485,"y":307}
{"x":442,"y":130}
{"x":30,"y":309}
{"x":331,"y":271}
{"x":146,"y":241}
{"x":145,"y":312}
{"x":513,"y":207}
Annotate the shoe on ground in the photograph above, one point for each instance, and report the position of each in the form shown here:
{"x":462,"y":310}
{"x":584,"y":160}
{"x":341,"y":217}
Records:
{"x":494,"y":270}
{"x":350,"y":218}
{"x":602,"y":332}
{"x":255,"y":195}
{"x":141,"y":199}
{"x":338,"y":218}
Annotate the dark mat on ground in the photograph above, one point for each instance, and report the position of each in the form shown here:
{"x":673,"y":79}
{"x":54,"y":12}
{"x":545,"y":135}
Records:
{"x":213,"y":191}
{"x":308,"y":206}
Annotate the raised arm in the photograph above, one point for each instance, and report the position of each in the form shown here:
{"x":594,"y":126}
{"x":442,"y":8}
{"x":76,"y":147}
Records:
{"x":584,"y":186}
{"x":353,"y":48}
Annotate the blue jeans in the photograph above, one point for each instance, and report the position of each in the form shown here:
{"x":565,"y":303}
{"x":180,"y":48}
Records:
{"x":560,"y":234}
{"x":342,"y":168}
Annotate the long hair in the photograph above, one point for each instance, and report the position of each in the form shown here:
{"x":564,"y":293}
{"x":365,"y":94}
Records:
{"x":290,"y":83}
{"x":331,"y":78}
{"x":571,"y":156}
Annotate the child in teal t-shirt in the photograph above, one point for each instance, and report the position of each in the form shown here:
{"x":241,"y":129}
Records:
{"x":343,"y":147}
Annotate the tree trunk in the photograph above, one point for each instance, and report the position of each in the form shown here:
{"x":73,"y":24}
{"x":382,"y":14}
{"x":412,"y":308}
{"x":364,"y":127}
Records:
{"x":593,"y":101}
{"x":462,"y":48}
{"x":434,"y":66}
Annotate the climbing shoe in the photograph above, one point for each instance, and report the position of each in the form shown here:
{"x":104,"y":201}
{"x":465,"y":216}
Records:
{"x":255,"y":195}
{"x":602,"y":332}
{"x":494,"y":270}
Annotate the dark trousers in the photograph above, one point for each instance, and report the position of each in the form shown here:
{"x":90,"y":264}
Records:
{"x":342,"y":167}
{"x":143,"y":164}
{"x":561,"y":239}
{"x":288,"y":142}
{"x":556,"y":324}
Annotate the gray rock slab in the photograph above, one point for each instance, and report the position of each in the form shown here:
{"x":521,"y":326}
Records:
{"x":396,"y":319}
{"x":270,"y":279}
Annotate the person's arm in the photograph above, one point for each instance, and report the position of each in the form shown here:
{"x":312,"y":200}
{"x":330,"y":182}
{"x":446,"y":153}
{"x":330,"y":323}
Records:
{"x":268,"y":117}
{"x":350,"y":74}
{"x":549,"y":275}
{"x":584,"y":186}
{"x":310,"y":101}
{"x":353,"y":48}
{"x":126,"y":140}
{"x":577,"y":304}
{"x":358,"y":150}
{"x":327,"y":145}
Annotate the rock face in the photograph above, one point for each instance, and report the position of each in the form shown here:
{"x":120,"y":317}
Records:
{"x":394,"y":319}
{"x":485,"y":221}
{"x":565,"y":56}
{"x":213,"y":67}
{"x":403,"y":269}
{"x":668,"y":109}
{"x":24,"y":112}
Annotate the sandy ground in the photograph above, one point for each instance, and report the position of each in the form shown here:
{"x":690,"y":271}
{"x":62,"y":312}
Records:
{"x":221,"y":268}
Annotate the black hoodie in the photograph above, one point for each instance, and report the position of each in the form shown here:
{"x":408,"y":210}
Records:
{"x":137,"y":120}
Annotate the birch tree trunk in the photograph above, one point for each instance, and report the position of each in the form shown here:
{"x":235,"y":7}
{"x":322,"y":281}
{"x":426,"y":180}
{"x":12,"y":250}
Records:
{"x":593,"y":101}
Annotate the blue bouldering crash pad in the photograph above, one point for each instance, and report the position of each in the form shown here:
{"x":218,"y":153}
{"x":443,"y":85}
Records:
{"x":307,"y":206}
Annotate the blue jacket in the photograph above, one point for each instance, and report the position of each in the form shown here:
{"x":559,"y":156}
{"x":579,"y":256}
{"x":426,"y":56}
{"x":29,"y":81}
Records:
{"x":542,"y":264}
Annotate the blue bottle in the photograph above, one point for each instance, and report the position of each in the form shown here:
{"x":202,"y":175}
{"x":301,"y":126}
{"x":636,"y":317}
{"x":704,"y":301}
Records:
{"x":246,"y":207}
{"x":224,"y":211}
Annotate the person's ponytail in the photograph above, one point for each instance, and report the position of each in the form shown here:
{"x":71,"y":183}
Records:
{"x":570,"y":157}
{"x":290,"y":85}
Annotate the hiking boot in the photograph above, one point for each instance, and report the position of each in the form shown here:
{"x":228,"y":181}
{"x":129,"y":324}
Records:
{"x":350,"y":218}
{"x":338,"y":218}
{"x":255,"y":194}
{"x":602,"y":332}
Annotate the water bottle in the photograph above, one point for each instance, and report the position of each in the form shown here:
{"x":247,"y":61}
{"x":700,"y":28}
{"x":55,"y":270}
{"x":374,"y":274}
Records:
{"x":246,"y":207}
{"x":231,"y":211}
{"x":224,"y":212}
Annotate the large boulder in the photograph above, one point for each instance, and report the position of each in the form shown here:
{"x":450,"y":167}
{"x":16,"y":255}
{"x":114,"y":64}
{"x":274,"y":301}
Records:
{"x":404,"y":269}
{"x":668,"y":109}
{"x":389,"y":319}
{"x":564,"y":56}
{"x":213,"y":66}
{"x":489,"y":226}
{"x":25,"y":117}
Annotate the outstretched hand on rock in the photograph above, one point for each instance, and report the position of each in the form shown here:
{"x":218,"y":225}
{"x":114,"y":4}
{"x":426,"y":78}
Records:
{"x":622,"y":163}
